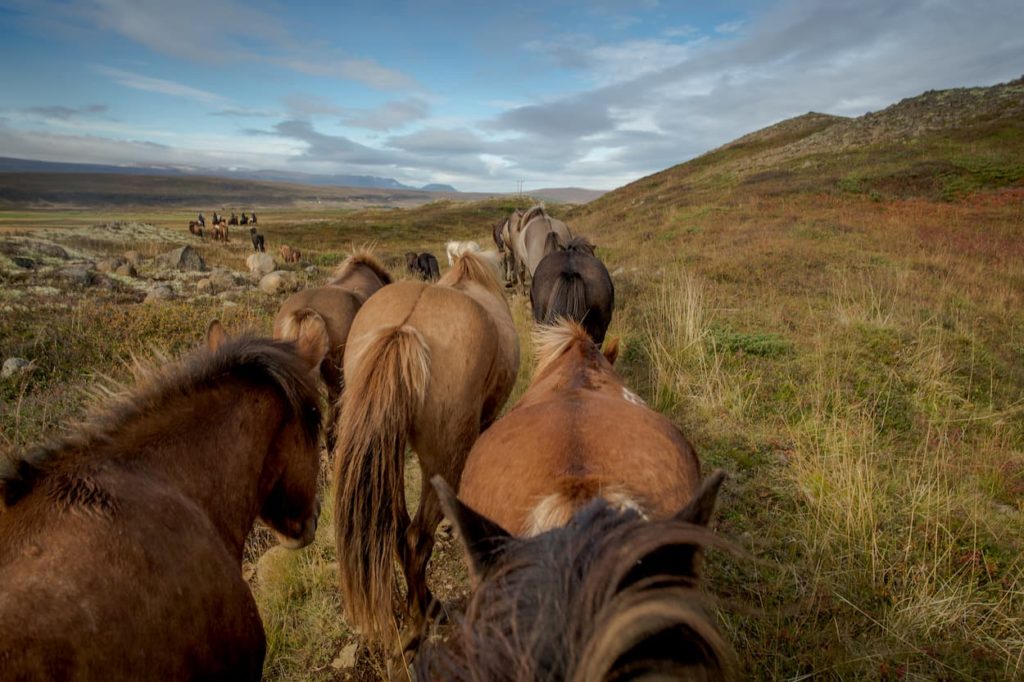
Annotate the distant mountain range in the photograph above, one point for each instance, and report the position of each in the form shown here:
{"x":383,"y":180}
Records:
{"x":10,"y":165}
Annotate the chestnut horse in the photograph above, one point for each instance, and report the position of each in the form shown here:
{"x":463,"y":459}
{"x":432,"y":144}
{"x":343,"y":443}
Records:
{"x":336,"y":304}
{"x":429,"y":365}
{"x":609,"y":596}
{"x":121,"y":544}
{"x":577,"y":434}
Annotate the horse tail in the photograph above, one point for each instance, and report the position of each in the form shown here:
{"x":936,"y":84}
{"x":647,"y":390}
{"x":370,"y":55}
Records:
{"x":568,"y":298}
{"x":551,"y":243}
{"x":379,"y":406}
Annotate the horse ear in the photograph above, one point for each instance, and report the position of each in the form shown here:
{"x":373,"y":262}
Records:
{"x":216,"y":335}
{"x":611,"y":350}
{"x":311,"y":342}
{"x":698,"y":511}
{"x":482,"y":539}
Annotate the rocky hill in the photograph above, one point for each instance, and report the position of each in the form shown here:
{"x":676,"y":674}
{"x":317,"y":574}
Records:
{"x":939,"y":145}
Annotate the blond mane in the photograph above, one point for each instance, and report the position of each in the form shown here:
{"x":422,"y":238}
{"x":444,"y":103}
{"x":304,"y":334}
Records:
{"x":551,"y":340}
{"x":474,"y":266}
{"x":361,"y":256}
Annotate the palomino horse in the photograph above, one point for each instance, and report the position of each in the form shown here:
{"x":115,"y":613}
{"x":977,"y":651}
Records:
{"x":429,"y":365}
{"x":575,"y":285}
{"x":456,"y":249}
{"x":576,"y":434}
{"x":336,"y":303}
{"x":609,"y":596}
{"x":121,"y":544}
{"x":533,"y":243}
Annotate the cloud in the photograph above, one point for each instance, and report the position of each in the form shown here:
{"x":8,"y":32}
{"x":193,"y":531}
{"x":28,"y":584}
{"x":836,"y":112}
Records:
{"x":568,"y":117}
{"x":365,"y":71}
{"x":440,"y":142}
{"x":63,"y":113}
{"x":244,"y":113}
{"x":389,"y":116}
{"x":160,"y":86}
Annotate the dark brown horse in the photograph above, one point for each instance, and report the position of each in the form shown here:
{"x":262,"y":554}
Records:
{"x":423,"y":265}
{"x":336,"y":304}
{"x":121,"y":544}
{"x":573,"y":284}
{"x":428,"y":365}
{"x":608,"y":596}
{"x":577,"y":433}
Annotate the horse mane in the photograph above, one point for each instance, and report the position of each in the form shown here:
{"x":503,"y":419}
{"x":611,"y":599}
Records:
{"x":474,"y":266}
{"x":532,"y":213}
{"x":362,"y":255}
{"x":551,"y":340}
{"x":246,"y":358}
{"x":609,"y":596}
{"x":580,"y":244}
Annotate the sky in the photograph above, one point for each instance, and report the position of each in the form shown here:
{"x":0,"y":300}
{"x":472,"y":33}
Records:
{"x":480,"y":95}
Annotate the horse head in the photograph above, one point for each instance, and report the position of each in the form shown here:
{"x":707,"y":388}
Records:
{"x":609,"y":595}
{"x":288,"y":492}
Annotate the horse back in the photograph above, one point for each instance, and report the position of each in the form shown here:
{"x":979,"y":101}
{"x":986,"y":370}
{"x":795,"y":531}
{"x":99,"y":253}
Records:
{"x":145,"y":588}
{"x":547,"y":452}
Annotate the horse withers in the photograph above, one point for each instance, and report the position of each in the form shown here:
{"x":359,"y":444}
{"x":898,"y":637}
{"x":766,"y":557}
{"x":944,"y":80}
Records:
{"x":121,"y":543}
{"x":574,"y":284}
{"x":608,"y":596}
{"x":428,"y":365}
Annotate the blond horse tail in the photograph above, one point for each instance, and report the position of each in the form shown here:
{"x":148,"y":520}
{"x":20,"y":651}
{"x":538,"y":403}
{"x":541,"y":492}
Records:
{"x":568,"y":298}
{"x":370,"y":519}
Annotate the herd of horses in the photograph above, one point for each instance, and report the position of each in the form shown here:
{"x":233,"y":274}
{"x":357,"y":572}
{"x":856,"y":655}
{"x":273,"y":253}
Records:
{"x":219,"y":231}
{"x":582,"y":512}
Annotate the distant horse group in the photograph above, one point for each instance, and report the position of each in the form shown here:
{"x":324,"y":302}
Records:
{"x":582,"y":512}
{"x":218,"y":228}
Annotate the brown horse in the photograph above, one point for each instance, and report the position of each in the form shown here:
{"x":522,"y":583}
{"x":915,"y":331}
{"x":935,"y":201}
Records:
{"x":609,"y":596}
{"x":532,"y":242}
{"x":196,"y":228}
{"x":575,"y":285}
{"x":289,"y":254}
{"x":336,"y":304}
{"x":121,"y":544}
{"x":576,"y":434}
{"x":429,"y":365}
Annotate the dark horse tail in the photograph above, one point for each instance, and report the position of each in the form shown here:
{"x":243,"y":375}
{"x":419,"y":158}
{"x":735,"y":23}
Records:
{"x":568,"y":298}
{"x":380,"y":403}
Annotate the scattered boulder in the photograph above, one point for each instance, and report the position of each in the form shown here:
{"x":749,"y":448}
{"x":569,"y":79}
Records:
{"x":204,"y":286}
{"x":51,"y":250}
{"x":161,"y":292}
{"x":311,"y":269}
{"x":260,"y":264}
{"x":79,"y":275}
{"x":222,"y":280}
{"x":346,"y":658}
{"x":23,"y":262}
{"x":110,"y":264}
{"x":14,"y":366}
{"x":127,"y":269}
{"x":277,"y":282}
{"x":133,"y":257}
{"x":185,"y":259}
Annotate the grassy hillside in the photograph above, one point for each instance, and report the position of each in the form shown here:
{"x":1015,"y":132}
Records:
{"x":852,"y":354}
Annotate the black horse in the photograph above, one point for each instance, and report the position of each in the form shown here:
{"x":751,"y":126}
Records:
{"x":245,"y":219}
{"x":423,"y":265}
{"x":574,"y":284}
{"x":233,"y":220}
{"x":257,"y":241}
{"x":252,"y":219}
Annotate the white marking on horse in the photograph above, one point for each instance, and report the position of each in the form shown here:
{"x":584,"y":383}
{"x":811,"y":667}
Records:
{"x":631,"y":397}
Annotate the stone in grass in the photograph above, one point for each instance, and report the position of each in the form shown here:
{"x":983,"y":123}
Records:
{"x":110,"y":264}
{"x":14,"y":366}
{"x":260,"y":264}
{"x":185,"y":259}
{"x":127,"y":270}
{"x":80,"y":275}
{"x":346,"y":658}
{"x":204,"y":286}
{"x":277,"y":282}
{"x":133,"y":257}
{"x":160,"y":292}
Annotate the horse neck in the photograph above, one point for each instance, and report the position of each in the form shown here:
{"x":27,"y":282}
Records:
{"x":360,"y":280}
{"x":213,"y":447}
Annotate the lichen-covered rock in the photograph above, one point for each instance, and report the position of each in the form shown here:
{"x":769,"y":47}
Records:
{"x":126,"y":269}
{"x":133,"y":257}
{"x":260,"y":265}
{"x":277,"y":282}
{"x":78,"y":275}
{"x":185,"y":259}
{"x":160,"y":292}
{"x":13,"y":366}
